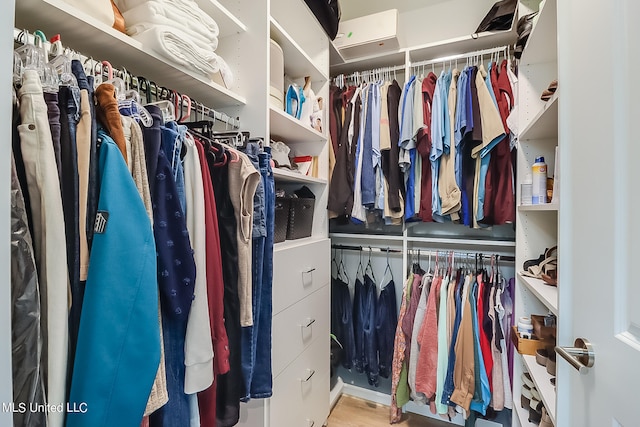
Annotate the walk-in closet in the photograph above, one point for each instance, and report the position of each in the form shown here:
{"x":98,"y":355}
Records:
{"x":302,"y":213}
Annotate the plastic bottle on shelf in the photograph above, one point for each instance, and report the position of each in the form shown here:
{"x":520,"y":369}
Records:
{"x":539,"y":182}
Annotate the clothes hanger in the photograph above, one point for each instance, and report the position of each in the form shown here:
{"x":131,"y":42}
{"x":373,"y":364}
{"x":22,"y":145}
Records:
{"x":386,"y":270}
{"x":360,"y":272}
{"x":369,"y":268}
{"x":342,"y":269}
{"x":61,"y":62}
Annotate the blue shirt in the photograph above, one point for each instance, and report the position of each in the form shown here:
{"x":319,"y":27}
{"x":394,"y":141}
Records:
{"x":440,"y":136}
{"x":406,"y":141}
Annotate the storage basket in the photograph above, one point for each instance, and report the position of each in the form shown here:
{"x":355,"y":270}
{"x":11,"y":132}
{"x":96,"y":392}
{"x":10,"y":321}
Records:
{"x":281,"y":222}
{"x":300,"y":218}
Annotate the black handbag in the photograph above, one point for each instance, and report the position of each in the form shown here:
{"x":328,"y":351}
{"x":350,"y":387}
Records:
{"x":327,"y":13}
{"x":500,"y":16}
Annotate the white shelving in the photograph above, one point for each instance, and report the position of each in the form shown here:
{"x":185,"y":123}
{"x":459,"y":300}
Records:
{"x":542,"y":381}
{"x":544,"y":125}
{"x":542,"y":45}
{"x":485,"y":244}
{"x":297,"y":63}
{"x":547,"y":294}
{"x":433,"y":50}
{"x":285,"y":175}
{"x":543,"y":207}
{"x":459,"y":45}
{"x":93,"y":38}
{"x":523,"y":414}
{"x":288,"y":244}
{"x":290,"y":130}
{"x":227,"y":22}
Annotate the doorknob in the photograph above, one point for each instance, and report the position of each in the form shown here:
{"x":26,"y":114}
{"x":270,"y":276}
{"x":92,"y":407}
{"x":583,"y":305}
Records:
{"x":581,"y":356}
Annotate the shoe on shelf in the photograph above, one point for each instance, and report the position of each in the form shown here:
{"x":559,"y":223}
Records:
{"x":549,"y":91}
{"x":525,"y":397}
{"x":535,"y":411}
{"x":546,"y":264}
{"x":542,"y":356}
{"x":545,"y":420}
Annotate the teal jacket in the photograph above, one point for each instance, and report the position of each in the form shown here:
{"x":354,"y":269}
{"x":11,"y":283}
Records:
{"x":118,"y":349}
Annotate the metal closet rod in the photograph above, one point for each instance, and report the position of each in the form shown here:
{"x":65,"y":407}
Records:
{"x":505,"y":258}
{"x":384,"y":249}
{"x":136,"y":82}
{"x":460,"y":56}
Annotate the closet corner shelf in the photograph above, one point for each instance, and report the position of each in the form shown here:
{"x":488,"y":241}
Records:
{"x":354,"y":236}
{"x":380,"y":60}
{"x":285,"y":175}
{"x":523,"y":414}
{"x":545,"y":124}
{"x":542,"y":380}
{"x":485,"y":244}
{"x":297,"y":63}
{"x":91,"y":37}
{"x":290,"y":130}
{"x":227,"y":22}
{"x":288,"y":244}
{"x":547,"y":207}
{"x":542,"y":44}
{"x":547,"y":294}
{"x":460,"y":45}
{"x":335,"y":57}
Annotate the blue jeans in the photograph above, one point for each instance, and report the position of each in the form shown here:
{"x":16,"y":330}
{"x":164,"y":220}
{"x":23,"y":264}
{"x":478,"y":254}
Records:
{"x":262,"y":380}
{"x":358,"y":330}
{"x":249,"y":334}
{"x":342,"y":321}
{"x":386,"y":322}
{"x":368,"y":316}
{"x":172,"y":139}
{"x":69,"y":103}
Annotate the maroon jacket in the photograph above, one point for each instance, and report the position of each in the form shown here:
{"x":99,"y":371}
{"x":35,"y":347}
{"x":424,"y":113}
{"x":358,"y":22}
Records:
{"x":424,"y":147}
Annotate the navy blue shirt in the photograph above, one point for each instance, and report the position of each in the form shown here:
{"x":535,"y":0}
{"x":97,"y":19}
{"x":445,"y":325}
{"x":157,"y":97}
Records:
{"x":176,"y":267}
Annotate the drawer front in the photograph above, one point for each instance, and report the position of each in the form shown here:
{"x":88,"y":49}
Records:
{"x":296,"y":327}
{"x":302,"y":386}
{"x":299,"y":271}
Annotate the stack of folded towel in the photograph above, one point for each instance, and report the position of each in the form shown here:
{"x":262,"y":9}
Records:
{"x":177,"y":29}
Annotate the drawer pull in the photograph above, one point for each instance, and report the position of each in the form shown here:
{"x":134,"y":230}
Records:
{"x":309,"y":323}
{"x":311,"y":270}
{"x":310,"y":423}
{"x":311,"y":373}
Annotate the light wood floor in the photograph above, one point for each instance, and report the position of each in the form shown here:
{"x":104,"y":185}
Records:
{"x":355,"y":412}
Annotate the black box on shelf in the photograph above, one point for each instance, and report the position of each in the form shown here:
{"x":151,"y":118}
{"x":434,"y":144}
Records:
{"x":281,"y":222}
{"x":300,"y":217}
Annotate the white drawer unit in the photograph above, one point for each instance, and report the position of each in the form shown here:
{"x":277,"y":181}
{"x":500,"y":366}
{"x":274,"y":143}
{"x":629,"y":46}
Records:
{"x":295,"y":328}
{"x":301,"y":391}
{"x":300,"y":271}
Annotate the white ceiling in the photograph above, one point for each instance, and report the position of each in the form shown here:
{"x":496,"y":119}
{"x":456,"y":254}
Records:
{"x":356,"y":8}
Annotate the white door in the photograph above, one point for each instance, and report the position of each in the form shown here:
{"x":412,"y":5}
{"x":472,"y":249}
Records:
{"x":599,"y":233}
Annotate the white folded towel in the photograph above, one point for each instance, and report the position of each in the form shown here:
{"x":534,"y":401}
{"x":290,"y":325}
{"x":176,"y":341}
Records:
{"x":199,"y":42}
{"x":177,"y":47}
{"x":189,"y":12}
{"x":158,"y":13}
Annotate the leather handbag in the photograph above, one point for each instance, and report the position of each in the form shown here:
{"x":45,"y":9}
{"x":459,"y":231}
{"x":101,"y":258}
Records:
{"x":499,"y":17}
{"x":327,"y":13}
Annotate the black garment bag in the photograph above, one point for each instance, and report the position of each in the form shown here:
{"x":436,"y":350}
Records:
{"x":500,"y":16}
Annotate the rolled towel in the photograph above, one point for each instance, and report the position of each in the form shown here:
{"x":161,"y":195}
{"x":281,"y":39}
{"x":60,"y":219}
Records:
{"x":158,"y":13}
{"x":199,"y":42}
{"x":195,"y":15}
{"x":177,"y":47}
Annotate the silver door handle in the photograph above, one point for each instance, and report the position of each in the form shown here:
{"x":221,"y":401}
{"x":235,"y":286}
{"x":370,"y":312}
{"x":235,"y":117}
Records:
{"x":309,"y":323}
{"x":581,"y":356}
{"x":309,"y":271}
{"x":311,"y":373}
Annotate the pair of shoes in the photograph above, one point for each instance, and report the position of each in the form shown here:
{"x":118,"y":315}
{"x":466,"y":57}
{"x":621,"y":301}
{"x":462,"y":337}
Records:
{"x":548,"y":92}
{"x":545,"y":420}
{"x":535,"y":411}
{"x":524,"y":27}
{"x":545,"y":267}
{"x":547,"y":358}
